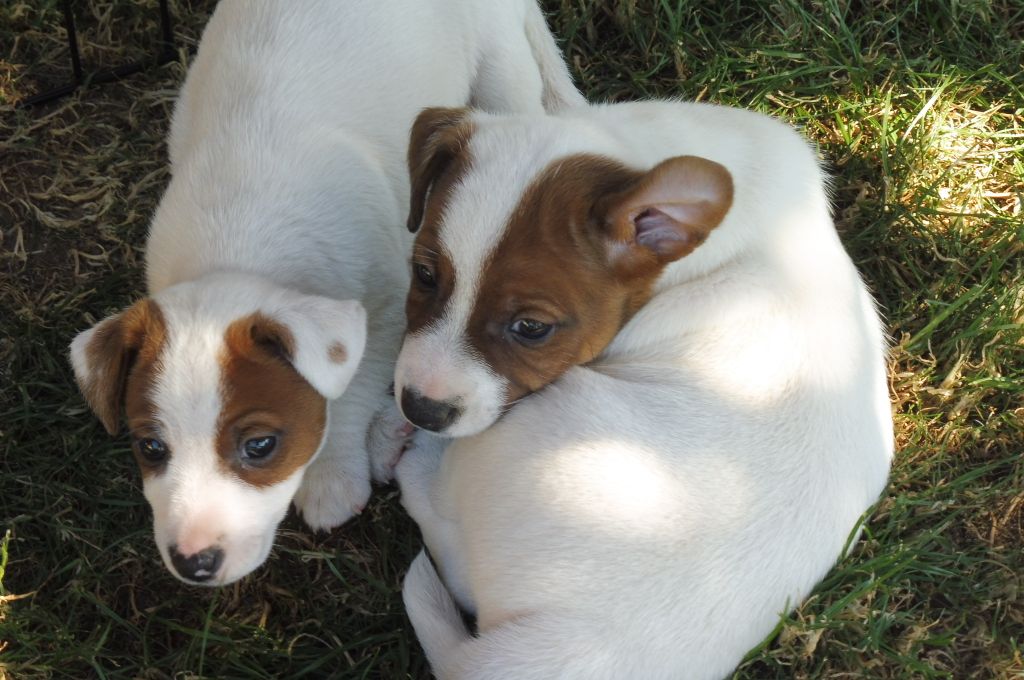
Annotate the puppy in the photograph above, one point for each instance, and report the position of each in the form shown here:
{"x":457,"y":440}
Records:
{"x":243,"y":375}
{"x":667,"y":378}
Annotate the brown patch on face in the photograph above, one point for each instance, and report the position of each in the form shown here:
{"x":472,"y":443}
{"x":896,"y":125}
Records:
{"x":265,"y":396}
{"x":552,"y":266}
{"x":337,"y":353}
{"x":582,"y":252}
{"x":438,"y":159}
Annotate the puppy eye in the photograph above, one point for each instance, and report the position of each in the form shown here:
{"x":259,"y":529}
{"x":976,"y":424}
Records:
{"x":258,"y":448}
{"x":424,"y":275}
{"x":530,"y":330}
{"x":152,"y":450}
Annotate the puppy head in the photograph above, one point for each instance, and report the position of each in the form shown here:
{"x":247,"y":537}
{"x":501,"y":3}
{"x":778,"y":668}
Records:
{"x":530,"y":256}
{"x":224,"y":384}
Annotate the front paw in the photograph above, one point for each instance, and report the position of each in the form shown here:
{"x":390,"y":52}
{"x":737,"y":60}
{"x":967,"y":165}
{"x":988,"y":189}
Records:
{"x":386,"y":440}
{"x":417,"y":475}
{"x":421,"y":461}
{"x":329,"y":497}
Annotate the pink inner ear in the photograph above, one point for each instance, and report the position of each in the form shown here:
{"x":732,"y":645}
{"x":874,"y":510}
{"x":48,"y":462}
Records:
{"x":660,"y":232}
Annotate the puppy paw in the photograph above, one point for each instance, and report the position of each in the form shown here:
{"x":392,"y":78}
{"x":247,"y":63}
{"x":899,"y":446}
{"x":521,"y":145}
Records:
{"x":416,"y":474}
{"x":328,"y":497}
{"x":421,"y":459}
{"x":386,"y":440}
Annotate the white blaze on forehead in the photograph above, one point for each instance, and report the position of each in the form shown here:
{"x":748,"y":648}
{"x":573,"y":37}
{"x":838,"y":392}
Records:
{"x":188,"y":401}
{"x":187,"y":393}
{"x":437,"y":361}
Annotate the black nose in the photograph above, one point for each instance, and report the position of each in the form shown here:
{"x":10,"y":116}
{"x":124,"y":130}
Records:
{"x":199,"y":567}
{"x":427,"y":413}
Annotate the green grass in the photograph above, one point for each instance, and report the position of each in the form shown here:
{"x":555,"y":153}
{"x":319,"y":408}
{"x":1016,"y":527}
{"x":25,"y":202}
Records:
{"x":919,"y":111}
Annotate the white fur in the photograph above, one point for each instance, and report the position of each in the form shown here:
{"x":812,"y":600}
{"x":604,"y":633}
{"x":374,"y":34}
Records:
{"x":652,"y":514}
{"x":442,"y":367}
{"x":289,"y":190}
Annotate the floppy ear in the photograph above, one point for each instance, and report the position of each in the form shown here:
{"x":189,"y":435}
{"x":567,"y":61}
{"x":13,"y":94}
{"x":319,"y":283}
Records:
{"x":437,"y":137}
{"x":103,"y":355}
{"x":666,"y":213}
{"x":322,"y":338}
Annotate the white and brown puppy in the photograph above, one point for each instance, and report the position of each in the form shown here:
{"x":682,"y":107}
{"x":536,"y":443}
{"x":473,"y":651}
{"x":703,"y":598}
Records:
{"x":669,"y":381}
{"x":243,"y":375}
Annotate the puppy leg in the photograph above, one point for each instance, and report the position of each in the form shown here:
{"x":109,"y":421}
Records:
{"x":524,"y":71}
{"x":433,"y":613}
{"x":387,"y":438}
{"x":419,"y":475}
{"x":507,"y":79}
{"x":559,"y":91}
{"x":531,"y":647}
{"x":336,"y":486}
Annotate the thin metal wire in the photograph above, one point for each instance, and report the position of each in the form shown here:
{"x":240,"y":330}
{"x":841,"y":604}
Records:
{"x":166,"y":53}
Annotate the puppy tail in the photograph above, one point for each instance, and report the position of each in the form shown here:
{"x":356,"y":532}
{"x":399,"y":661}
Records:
{"x":433,"y":612}
{"x":559,"y":91}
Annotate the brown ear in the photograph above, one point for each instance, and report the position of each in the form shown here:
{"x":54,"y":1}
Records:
{"x":261,"y":338}
{"x":667,"y":213}
{"x":437,"y":137}
{"x":321,"y":338}
{"x":103,"y":355}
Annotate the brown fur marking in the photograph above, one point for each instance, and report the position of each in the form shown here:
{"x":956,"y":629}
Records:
{"x":337,"y":353}
{"x":552,"y":265}
{"x":438,"y":159}
{"x":120,"y":345}
{"x":436,"y":149}
{"x":570,"y":257}
{"x":264,"y":395}
{"x":124,"y":356}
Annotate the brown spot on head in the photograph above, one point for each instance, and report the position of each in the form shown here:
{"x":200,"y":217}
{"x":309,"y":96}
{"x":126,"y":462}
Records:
{"x":337,"y":353}
{"x":268,"y":407}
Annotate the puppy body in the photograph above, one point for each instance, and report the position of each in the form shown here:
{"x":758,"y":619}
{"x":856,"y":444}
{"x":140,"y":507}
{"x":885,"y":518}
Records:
{"x":652,"y":513}
{"x":287,"y":195}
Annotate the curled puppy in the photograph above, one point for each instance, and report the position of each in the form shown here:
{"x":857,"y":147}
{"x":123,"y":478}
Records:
{"x":666,"y":380}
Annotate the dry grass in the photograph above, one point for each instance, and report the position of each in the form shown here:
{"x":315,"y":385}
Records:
{"x":917,"y":107}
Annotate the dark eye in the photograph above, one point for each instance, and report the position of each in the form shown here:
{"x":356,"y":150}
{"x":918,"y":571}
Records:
{"x":530,"y":330}
{"x":152,"y":450}
{"x":424,"y":275}
{"x":258,"y":447}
